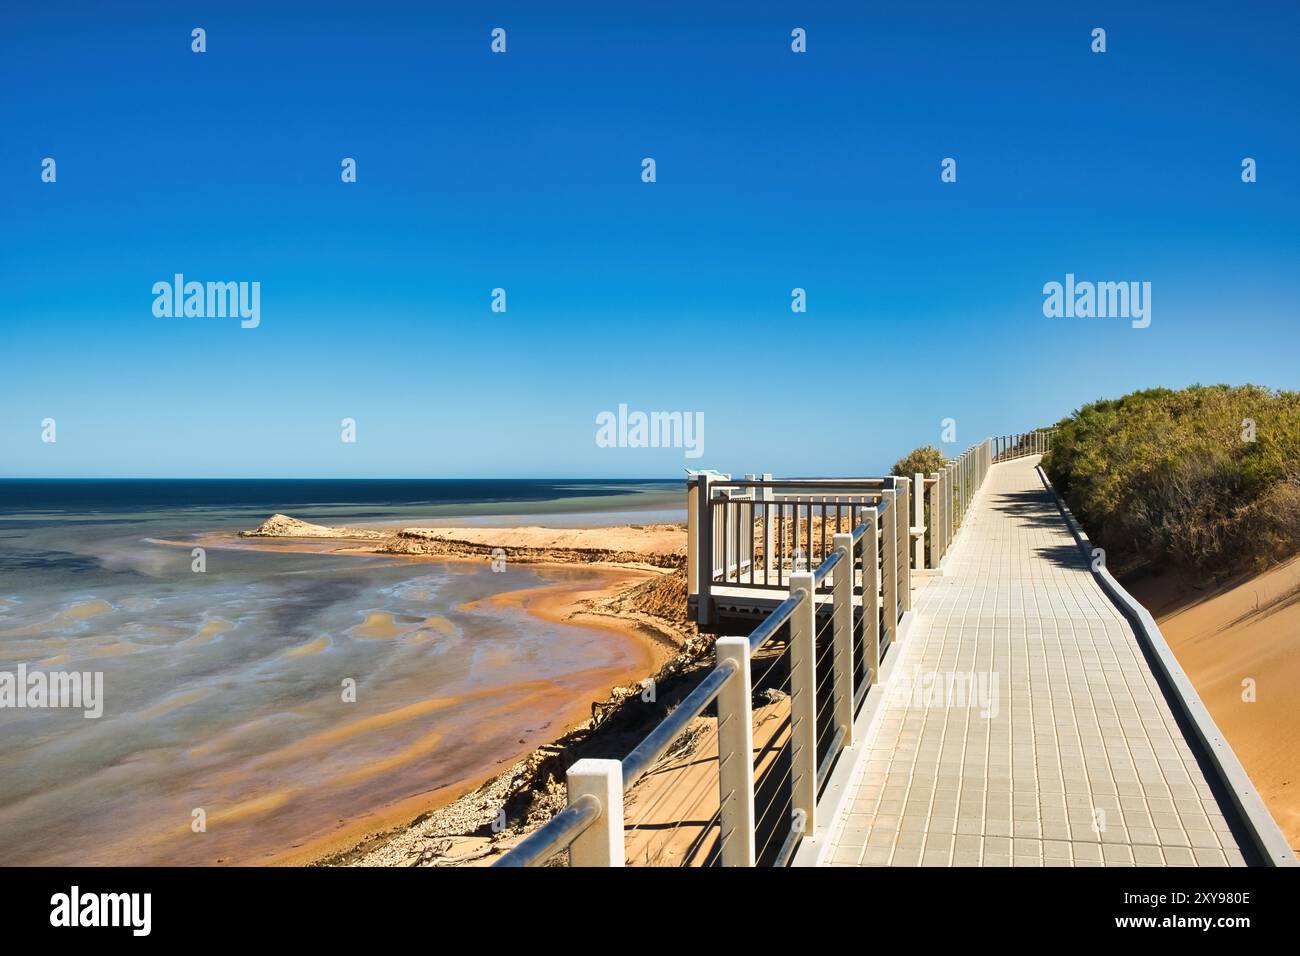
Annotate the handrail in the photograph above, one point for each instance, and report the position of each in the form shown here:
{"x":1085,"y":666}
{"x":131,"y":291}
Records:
{"x":650,"y":749}
{"x":776,"y":620}
{"x":826,"y":567}
{"x":557,"y":833}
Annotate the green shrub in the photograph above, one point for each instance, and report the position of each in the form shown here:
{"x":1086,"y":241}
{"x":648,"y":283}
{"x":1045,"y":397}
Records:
{"x":1163,"y":477}
{"x":926,"y":459}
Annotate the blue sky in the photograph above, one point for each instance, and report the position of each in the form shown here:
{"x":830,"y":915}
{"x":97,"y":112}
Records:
{"x":522,"y":171}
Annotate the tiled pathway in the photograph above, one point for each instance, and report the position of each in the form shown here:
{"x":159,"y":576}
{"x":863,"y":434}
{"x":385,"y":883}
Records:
{"x":1022,"y":726}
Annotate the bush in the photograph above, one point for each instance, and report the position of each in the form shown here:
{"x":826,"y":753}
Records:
{"x":1171,"y":477}
{"x":926,"y":460}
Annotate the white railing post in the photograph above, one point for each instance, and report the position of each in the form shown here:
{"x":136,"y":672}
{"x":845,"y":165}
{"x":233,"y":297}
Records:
{"x":601,"y":844}
{"x":932,"y":523}
{"x":842,"y":659}
{"x":903,"y":525}
{"x":747,"y":536}
{"x":736,"y":756}
{"x":918,"y":519}
{"x":871,"y":596}
{"x":961,"y":486}
{"x":768,"y":542}
{"x":803,"y":703}
{"x":728,"y":540}
{"x":702,"y":550}
{"x":890,"y":576}
{"x":952,"y":515}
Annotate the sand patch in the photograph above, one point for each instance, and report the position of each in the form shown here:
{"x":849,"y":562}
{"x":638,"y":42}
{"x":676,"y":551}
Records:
{"x":380,"y":626}
{"x":175,"y":702}
{"x":85,"y":611}
{"x":116,"y":649}
{"x":421,"y":748}
{"x":308,"y":649}
{"x":253,"y":807}
{"x":211,"y":630}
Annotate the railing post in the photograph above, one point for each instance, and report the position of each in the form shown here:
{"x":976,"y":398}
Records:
{"x":769,"y":543}
{"x":803,"y":702}
{"x":952,"y":519}
{"x":703,"y":550}
{"x":932,"y":523}
{"x":961,"y":486}
{"x":601,"y":844}
{"x":890,"y":576}
{"x":693,"y":536}
{"x":903,"y":524}
{"x":842,"y":636}
{"x":736,"y":756}
{"x":950,"y":506}
{"x":747,"y":536}
{"x":725,"y":496}
{"x":918,"y":519}
{"x":871,"y":596}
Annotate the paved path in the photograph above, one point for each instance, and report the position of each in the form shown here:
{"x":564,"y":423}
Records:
{"x":1056,"y":748}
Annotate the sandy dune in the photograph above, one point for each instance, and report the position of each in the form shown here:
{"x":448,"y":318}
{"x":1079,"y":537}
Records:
{"x":1240,"y":645}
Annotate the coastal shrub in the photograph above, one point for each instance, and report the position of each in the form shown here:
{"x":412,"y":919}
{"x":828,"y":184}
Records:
{"x":1205,"y":479}
{"x":926,"y":459}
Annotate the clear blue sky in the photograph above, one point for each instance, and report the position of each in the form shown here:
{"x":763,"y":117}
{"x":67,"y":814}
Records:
{"x":522,"y":170}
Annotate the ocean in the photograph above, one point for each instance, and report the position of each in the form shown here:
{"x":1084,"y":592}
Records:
{"x":273,"y":701}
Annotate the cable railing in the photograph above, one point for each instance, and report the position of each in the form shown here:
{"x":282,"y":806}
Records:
{"x":732,"y":775}
{"x":1036,"y":442}
{"x":743,"y":790}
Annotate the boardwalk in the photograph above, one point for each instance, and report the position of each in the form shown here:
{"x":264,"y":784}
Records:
{"x":1078,"y":758}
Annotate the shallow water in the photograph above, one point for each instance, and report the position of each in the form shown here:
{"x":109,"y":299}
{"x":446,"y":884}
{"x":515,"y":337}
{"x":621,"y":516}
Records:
{"x":224,"y":690}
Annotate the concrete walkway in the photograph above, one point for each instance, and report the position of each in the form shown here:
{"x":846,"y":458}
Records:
{"x":1022,"y":725}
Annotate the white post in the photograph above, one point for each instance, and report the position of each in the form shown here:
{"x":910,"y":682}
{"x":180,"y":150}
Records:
{"x":871,"y":595}
{"x":705,"y":559}
{"x":768,"y":497}
{"x":932,"y":526}
{"x":903,"y":525}
{"x":890,"y":570}
{"x":803,"y":702}
{"x":693,"y":537}
{"x":918,"y":518}
{"x":601,"y":844}
{"x":747,"y":536}
{"x":842,"y":658}
{"x":736,"y":756}
{"x":949,"y":506}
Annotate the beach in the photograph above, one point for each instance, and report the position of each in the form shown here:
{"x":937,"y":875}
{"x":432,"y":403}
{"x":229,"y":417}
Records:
{"x":304,"y":693}
{"x":628,"y":556}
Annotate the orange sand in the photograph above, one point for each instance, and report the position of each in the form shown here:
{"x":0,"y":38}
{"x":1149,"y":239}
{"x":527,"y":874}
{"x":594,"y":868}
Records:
{"x":1225,"y":639}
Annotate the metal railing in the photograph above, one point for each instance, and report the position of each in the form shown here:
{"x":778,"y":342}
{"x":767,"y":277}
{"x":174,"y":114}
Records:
{"x":824,"y":639}
{"x":1036,"y":442}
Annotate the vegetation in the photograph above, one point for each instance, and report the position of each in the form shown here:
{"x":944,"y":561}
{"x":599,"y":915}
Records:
{"x":926,"y":459}
{"x":1206,"y":479}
